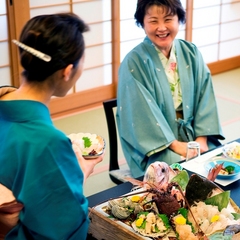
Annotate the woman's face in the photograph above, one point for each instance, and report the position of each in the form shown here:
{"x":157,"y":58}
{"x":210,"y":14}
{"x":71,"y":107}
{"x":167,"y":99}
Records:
{"x":161,"y":28}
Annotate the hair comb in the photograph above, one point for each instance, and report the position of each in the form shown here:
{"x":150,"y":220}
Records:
{"x":33,"y":51}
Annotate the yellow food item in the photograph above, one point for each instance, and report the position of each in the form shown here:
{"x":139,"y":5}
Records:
{"x":139,"y":222}
{"x":234,"y":152}
{"x":215,"y":218}
{"x":135,"y":199}
{"x":180,"y":220}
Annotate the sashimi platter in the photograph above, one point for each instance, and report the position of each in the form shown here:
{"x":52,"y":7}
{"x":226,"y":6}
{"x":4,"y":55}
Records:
{"x":171,"y":205}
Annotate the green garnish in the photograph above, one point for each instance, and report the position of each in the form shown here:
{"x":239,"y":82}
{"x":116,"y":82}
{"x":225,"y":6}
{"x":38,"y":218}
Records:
{"x":142,"y":213}
{"x":229,"y":169}
{"x":143,"y":226}
{"x":183,"y":212}
{"x":156,"y":229}
{"x":165,"y":220}
{"x":87,"y":142}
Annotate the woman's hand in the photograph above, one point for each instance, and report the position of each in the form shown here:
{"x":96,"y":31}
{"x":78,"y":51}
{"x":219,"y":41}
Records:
{"x":203,"y":144}
{"x":87,"y":165}
{"x":179,"y":147}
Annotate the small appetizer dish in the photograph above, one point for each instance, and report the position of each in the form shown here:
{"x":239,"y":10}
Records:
{"x":90,"y":145}
{"x":229,"y":168}
{"x":232,"y":151}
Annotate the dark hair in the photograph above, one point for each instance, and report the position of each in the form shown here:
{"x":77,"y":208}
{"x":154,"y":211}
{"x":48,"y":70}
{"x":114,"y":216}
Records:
{"x":57,"y":35}
{"x":172,"y":6}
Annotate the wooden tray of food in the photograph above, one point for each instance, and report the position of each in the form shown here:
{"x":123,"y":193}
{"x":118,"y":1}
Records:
{"x":102,"y":227}
{"x":167,"y":211}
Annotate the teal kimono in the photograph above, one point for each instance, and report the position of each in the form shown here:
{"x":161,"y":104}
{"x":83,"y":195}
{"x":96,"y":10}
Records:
{"x":146,"y":116}
{"x":39,"y":166}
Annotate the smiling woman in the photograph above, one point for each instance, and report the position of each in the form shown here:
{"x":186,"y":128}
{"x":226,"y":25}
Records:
{"x":162,"y":101}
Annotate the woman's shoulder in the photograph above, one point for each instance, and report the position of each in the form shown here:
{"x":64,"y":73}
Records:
{"x":144,"y":50}
{"x":185,"y":44}
{"x":140,"y":48}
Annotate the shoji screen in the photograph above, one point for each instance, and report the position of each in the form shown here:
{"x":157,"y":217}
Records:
{"x":97,"y":14}
{"x":4,"y":50}
{"x":98,"y":62}
{"x":216,"y":28}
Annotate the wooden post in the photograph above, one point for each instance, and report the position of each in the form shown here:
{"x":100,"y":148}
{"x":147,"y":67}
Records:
{"x":18,"y":14}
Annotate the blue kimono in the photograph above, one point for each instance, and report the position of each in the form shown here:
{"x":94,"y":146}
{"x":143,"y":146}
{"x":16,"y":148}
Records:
{"x":146,"y":116}
{"x":39,"y":166}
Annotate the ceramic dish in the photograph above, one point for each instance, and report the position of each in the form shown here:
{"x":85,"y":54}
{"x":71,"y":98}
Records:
{"x":232,"y":151}
{"x":226,"y":162}
{"x":90,"y":145}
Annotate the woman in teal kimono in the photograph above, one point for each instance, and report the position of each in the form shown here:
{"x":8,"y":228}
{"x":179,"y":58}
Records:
{"x":165,"y":93}
{"x":37,"y":160}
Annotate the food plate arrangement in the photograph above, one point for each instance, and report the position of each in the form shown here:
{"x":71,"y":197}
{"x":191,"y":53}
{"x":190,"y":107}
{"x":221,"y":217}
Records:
{"x":232,"y":151}
{"x":90,"y":145}
{"x":229,"y":169}
{"x":174,"y":206}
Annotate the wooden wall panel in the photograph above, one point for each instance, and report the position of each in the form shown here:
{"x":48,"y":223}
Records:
{"x":18,"y":15}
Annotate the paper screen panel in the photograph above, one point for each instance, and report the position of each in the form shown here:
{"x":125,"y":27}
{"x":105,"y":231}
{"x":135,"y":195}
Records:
{"x":229,"y":49}
{"x":99,"y":33}
{"x":230,"y":12}
{"x":210,"y":53}
{"x":96,"y":77}
{"x":206,"y":36}
{"x":228,"y":31}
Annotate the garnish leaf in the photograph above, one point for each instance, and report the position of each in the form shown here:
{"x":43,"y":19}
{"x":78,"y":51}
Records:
{"x":221,"y":200}
{"x":236,"y":216}
{"x":230,"y":169}
{"x":87,"y":142}
{"x":182,"y":179}
{"x":165,"y":220}
{"x":183,"y":212}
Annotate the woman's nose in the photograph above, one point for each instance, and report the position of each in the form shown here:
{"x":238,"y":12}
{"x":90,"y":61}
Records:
{"x":161,"y":27}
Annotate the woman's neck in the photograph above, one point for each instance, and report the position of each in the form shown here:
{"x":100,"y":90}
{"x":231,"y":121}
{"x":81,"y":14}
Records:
{"x":30,"y":91}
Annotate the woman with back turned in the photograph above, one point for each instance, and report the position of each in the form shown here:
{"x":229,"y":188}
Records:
{"x":165,"y":94}
{"x":37,"y":161}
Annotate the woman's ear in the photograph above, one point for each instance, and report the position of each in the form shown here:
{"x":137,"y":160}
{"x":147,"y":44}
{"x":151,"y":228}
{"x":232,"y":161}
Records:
{"x":67,"y":72}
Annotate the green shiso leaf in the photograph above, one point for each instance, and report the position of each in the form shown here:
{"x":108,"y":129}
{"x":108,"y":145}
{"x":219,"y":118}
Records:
{"x":182,"y":179}
{"x":165,"y":220}
{"x":220,"y":200}
{"x":142,"y":213}
{"x":183,"y":212}
{"x":87,"y":142}
{"x":236,"y":216}
{"x":143,"y":226}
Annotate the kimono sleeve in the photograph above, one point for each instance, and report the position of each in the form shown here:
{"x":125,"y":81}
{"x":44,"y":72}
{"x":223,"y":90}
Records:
{"x":52,"y":194}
